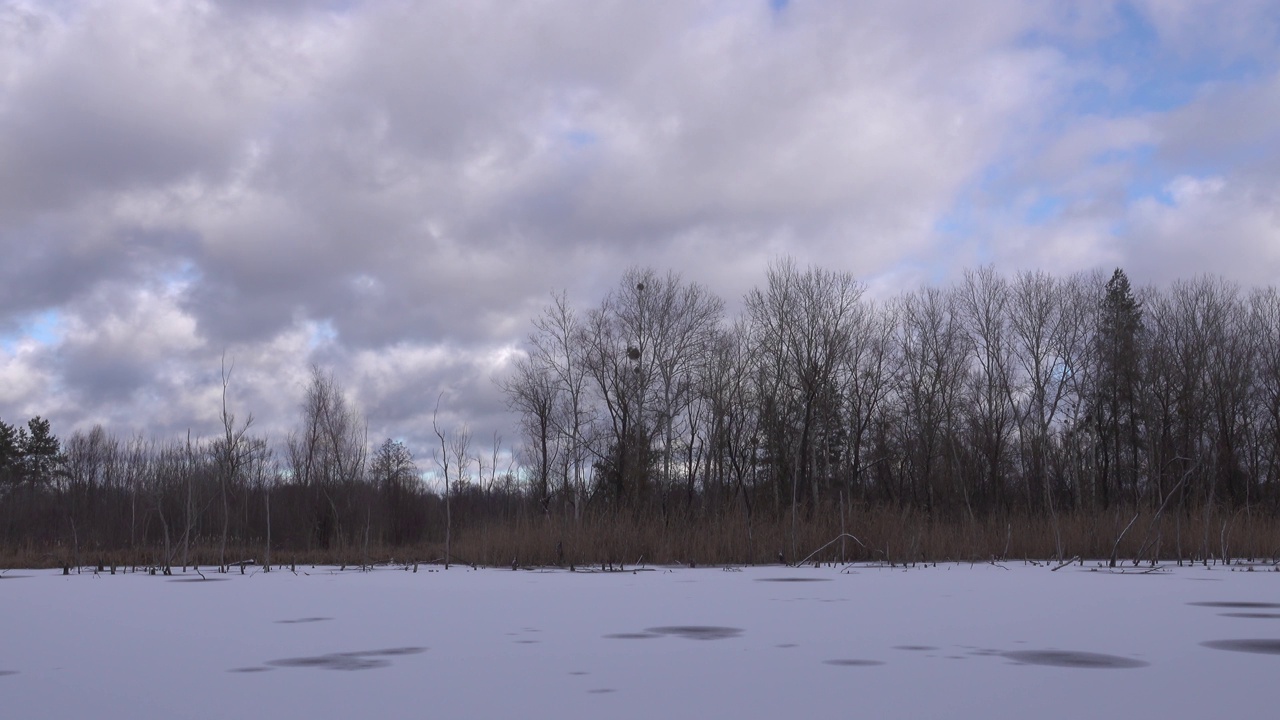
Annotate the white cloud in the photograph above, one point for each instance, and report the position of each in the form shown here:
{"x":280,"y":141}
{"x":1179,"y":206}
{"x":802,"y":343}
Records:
{"x":184,"y":179}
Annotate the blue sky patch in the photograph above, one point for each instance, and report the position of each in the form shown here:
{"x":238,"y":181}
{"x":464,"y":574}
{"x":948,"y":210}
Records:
{"x":42,"y":327}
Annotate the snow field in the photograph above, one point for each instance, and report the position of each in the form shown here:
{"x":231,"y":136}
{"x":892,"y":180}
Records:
{"x":954,"y":640}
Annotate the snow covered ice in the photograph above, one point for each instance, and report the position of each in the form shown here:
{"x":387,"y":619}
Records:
{"x":953,"y":640}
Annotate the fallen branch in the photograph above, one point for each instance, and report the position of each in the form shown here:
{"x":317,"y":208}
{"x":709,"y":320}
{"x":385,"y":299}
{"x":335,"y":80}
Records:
{"x":1056,"y":569}
{"x":837,"y":539}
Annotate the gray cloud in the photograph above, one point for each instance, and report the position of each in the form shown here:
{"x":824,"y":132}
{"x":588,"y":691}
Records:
{"x":392,"y":190}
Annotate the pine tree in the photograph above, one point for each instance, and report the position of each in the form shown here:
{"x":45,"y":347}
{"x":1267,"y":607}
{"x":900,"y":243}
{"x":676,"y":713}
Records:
{"x":1115,"y":410}
{"x":41,"y":451}
{"x":10,"y":455}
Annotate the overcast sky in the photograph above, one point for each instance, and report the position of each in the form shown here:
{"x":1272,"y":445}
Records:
{"x":393,"y":189}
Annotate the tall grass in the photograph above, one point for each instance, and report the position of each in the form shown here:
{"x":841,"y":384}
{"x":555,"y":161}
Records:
{"x":878,"y":534}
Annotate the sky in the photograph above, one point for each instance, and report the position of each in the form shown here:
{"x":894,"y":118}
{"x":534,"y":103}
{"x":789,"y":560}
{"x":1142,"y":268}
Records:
{"x":393,"y":190}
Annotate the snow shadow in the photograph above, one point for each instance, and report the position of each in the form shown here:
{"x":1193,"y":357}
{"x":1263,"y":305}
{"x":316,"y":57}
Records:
{"x":1072,"y":659}
{"x":852,"y":663}
{"x":793,"y":579}
{"x":1259,"y":646}
{"x":363,"y":660}
{"x":688,"y":632}
{"x":302,"y":620}
{"x":698,"y":632}
{"x":1238,"y":605}
{"x":198,"y":579}
{"x":1256,"y":615}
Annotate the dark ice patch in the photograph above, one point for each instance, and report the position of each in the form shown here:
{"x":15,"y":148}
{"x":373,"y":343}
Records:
{"x":914,"y":647}
{"x":1256,"y":615}
{"x":852,"y":663}
{"x":363,"y":660}
{"x":8,"y":672}
{"x":1072,"y":659}
{"x":250,"y":670}
{"x":697,"y":632}
{"x":579,"y":672}
{"x":1258,"y":646}
{"x":602,"y":691}
{"x":631,"y":636}
{"x":1238,"y":605}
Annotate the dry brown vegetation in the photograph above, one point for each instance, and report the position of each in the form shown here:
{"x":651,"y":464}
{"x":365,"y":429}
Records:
{"x":877,"y":535}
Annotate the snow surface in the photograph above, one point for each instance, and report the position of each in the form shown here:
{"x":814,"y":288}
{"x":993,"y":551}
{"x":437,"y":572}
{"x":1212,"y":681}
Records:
{"x":953,"y":641}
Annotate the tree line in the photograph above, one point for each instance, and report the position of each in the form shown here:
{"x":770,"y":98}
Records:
{"x":322,"y":493}
{"x":1033,"y":396}
{"x":1026,"y":395}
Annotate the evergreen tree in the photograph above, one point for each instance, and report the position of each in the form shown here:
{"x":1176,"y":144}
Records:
{"x":1115,"y":407}
{"x":41,"y":451}
{"x":10,"y":455}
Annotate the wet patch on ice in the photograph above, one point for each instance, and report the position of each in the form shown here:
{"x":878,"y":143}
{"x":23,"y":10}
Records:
{"x":1256,"y":615}
{"x":698,"y":632}
{"x":1072,"y":659}
{"x":688,"y":632}
{"x":1238,"y":605}
{"x":852,"y":663}
{"x":1259,"y":646}
{"x":914,"y":647}
{"x":362,"y":660}
{"x":793,"y":579}
{"x":302,"y":620}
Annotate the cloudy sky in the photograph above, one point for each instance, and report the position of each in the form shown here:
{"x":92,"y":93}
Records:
{"x":392,"y":189}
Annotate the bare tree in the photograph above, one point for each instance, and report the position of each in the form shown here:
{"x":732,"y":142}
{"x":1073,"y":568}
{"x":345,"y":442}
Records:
{"x":230,"y":453}
{"x":805,"y":323}
{"x":443,"y":460}
{"x":929,"y":382}
{"x":327,"y":454}
{"x":532,"y":391}
{"x":983,"y":300}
